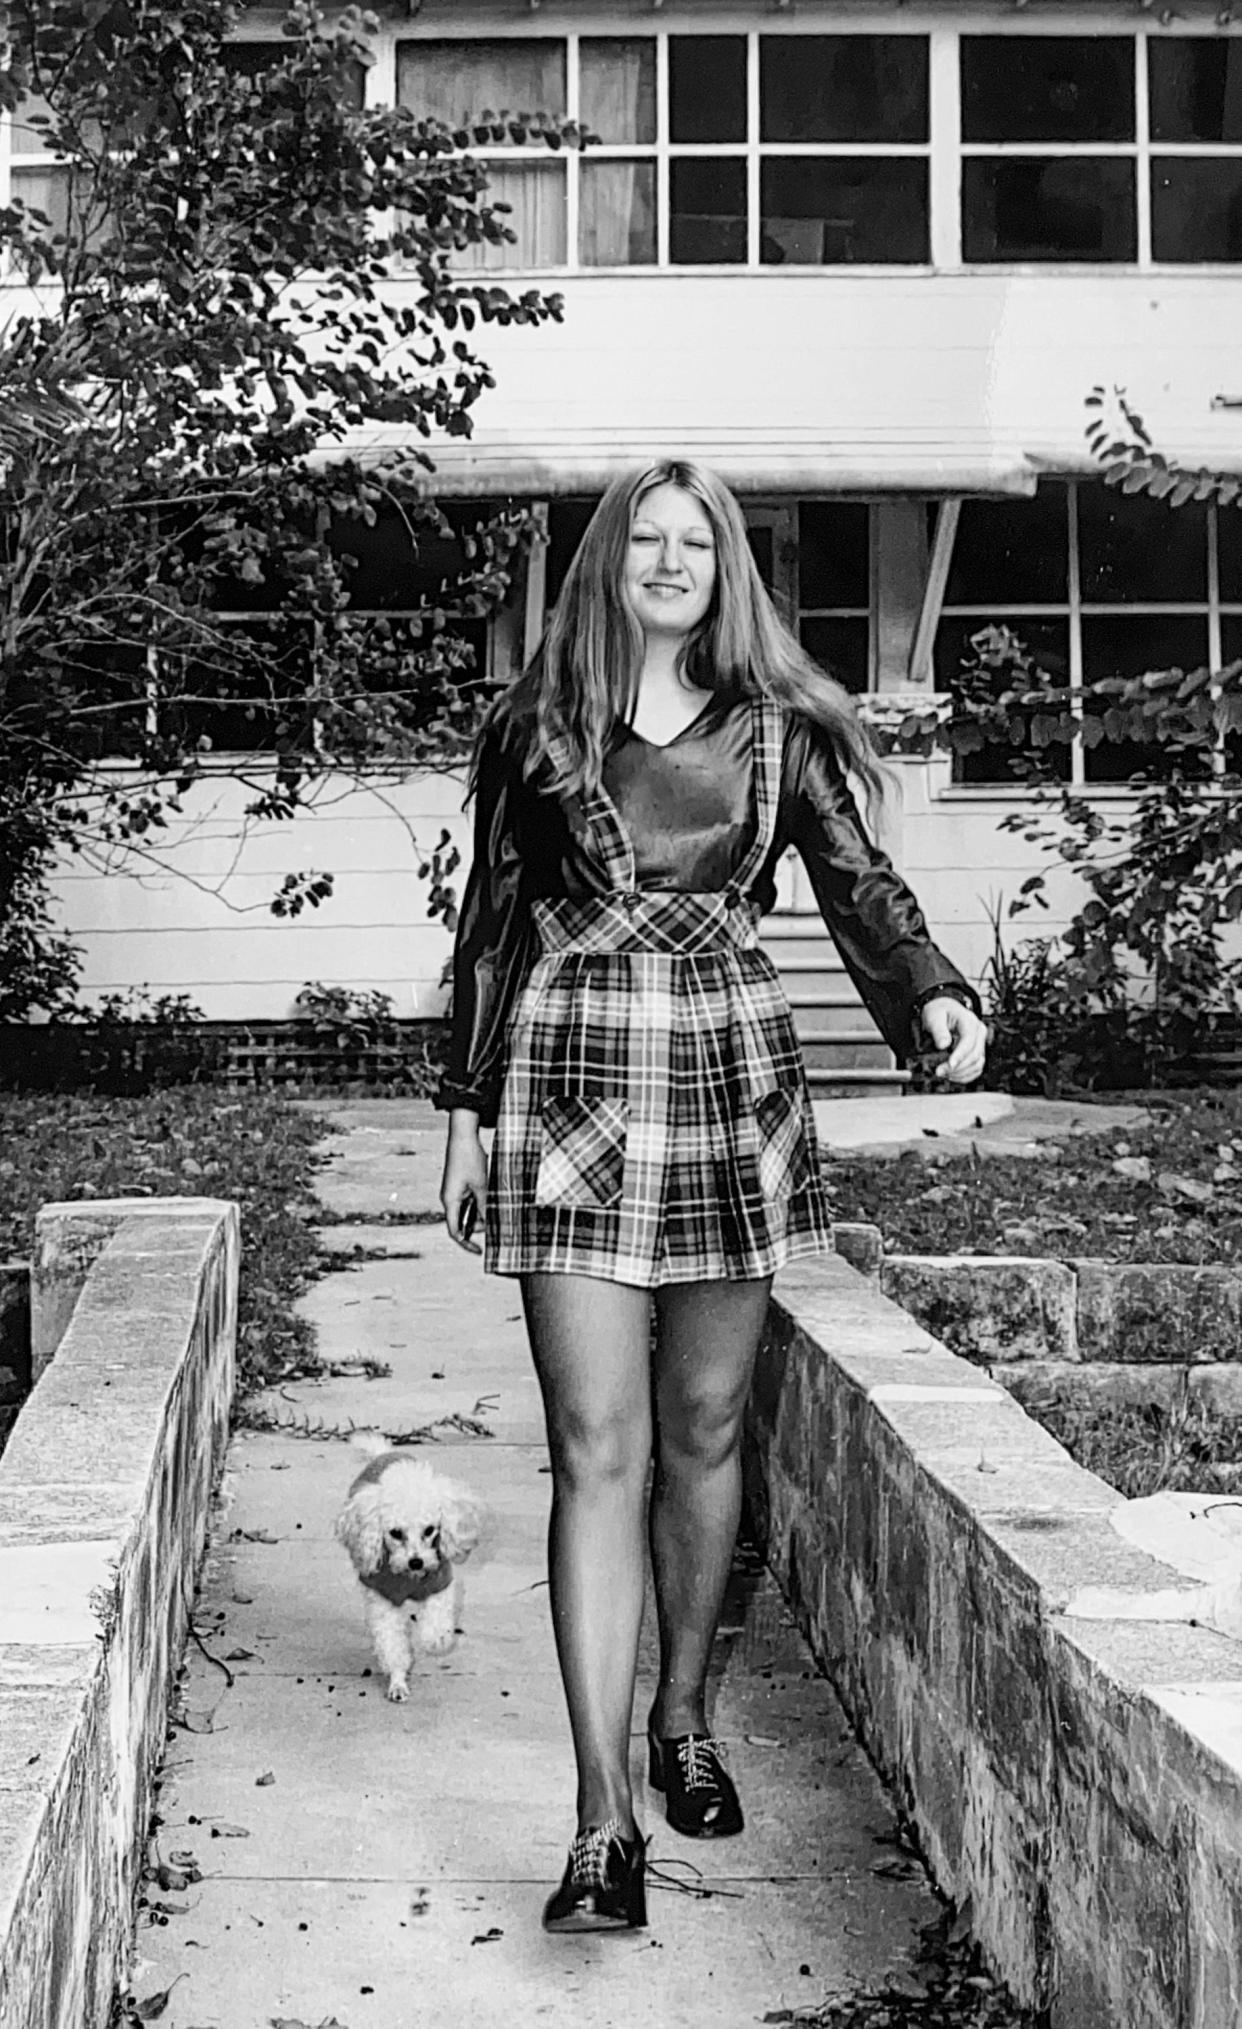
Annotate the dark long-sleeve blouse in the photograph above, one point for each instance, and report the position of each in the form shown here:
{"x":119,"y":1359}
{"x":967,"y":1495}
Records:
{"x":687,"y":808}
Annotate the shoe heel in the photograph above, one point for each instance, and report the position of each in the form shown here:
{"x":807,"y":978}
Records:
{"x":655,"y":1763}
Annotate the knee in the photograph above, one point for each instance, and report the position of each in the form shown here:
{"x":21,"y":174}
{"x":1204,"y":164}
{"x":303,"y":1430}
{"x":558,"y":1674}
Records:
{"x":593,"y":1452}
{"x":701,"y":1435}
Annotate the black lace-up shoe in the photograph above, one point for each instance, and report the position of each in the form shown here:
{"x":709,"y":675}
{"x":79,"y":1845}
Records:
{"x":700,"y":1799}
{"x":603,"y":1888}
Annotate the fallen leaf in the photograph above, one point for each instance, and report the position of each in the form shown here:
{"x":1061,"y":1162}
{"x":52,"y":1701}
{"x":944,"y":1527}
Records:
{"x":243,"y":1599}
{"x":240,"y":1656}
{"x":263,"y":1781}
{"x":154,"y":2005}
{"x":487,"y":1936}
{"x":229,"y":1832}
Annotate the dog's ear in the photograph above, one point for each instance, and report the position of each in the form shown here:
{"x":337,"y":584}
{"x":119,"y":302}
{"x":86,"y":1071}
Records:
{"x":460,"y":1523}
{"x":359,"y":1528}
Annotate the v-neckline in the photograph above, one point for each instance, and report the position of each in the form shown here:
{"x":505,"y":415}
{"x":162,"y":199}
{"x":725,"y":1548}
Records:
{"x":662,"y":746}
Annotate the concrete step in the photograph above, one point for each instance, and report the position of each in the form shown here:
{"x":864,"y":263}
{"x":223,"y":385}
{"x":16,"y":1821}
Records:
{"x":860,"y":1083}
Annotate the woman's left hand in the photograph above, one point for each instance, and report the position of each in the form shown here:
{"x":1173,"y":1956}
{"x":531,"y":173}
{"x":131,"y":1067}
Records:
{"x":952,"y":1026}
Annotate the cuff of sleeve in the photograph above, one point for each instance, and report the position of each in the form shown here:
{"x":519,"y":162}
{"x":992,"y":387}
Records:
{"x":950,"y":989}
{"x":481,"y":1101}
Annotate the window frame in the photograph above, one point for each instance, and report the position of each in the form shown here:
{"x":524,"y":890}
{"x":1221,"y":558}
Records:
{"x":1073,"y":610}
{"x":944,"y":149}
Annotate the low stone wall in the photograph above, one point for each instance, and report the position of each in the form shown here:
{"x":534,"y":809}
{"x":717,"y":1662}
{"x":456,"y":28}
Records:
{"x":105,"y":1488}
{"x":1079,"y":1780}
{"x":1080,"y":1329}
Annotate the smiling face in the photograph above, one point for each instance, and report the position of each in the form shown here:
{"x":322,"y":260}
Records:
{"x":670,"y":561}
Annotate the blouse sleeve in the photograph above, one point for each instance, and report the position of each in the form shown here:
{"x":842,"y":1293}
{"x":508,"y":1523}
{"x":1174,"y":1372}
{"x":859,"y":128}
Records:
{"x":494,"y":943}
{"x":874,"y":918}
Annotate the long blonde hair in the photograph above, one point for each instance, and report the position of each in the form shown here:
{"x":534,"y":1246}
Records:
{"x":584,"y":674}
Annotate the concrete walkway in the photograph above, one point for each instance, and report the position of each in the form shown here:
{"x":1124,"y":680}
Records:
{"x":384,"y":1866}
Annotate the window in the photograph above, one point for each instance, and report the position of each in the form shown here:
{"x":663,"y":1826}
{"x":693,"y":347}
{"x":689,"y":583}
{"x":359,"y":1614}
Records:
{"x":1196,"y":103}
{"x":250,"y":59}
{"x":712,"y":150}
{"x":479,"y":88}
{"x":1051,"y":102}
{"x":403,"y":587}
{"x":1096,"y":584}
{"x":834,"y":588}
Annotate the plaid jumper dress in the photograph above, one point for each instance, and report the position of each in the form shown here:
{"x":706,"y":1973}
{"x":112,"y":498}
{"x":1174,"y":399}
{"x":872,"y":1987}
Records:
{"x":654,"y":1124}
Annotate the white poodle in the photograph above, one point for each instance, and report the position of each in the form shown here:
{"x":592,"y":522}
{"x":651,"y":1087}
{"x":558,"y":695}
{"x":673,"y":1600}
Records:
{"x":406,"y":1528}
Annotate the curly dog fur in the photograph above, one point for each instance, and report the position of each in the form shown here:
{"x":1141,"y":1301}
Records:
{"x":407,"y":1528}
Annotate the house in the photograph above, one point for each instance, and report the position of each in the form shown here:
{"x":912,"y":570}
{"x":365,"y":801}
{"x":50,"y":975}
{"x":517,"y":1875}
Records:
{"x":868,"y":261}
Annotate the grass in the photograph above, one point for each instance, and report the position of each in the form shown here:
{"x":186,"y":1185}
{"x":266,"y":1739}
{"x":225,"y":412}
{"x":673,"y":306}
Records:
{"x":1073,"y":1201}
{"x":187,"y":1141}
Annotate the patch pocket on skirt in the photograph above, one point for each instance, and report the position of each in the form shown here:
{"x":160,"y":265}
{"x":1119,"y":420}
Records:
{"x":782,"y":1150}
{"x":582,"y":1154}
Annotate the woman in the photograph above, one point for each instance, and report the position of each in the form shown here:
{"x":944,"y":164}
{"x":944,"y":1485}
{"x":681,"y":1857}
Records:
{"x":615,"y":1017}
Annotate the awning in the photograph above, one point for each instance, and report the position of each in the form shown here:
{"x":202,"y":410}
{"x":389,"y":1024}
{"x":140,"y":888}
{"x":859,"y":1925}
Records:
{"x":557,"y":462}
{"x":838,"y":383}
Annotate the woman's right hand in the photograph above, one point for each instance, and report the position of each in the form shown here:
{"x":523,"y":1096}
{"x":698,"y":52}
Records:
{"x":465,"y":1176}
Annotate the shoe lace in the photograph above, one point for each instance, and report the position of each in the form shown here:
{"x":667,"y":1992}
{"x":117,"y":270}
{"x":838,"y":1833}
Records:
{"x":588,"y":1854}
{"x":700,"y":1758}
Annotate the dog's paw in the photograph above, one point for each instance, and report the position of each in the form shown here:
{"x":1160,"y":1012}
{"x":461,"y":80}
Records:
{"x":398,"y":1691}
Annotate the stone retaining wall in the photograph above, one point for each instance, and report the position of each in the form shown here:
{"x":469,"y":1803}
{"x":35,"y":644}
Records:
{"x":1080,"y":1780}
{"x":105,"y":1489}
{"x":1081,"y":1329}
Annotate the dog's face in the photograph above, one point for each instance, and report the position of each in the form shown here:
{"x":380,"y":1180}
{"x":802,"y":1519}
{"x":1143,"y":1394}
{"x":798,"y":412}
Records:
{"x":405,"y":1517}
{"x":409,"y":1548}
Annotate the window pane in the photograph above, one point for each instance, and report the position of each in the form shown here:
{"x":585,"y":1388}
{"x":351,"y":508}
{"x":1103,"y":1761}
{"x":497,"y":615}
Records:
{"x":1196,"y":209}
{"x":844,"y":208}
{"x":251,"y":59}
{"x":617,"y":201}
{"x":1229,"y":552}
{"x":1047,"y":88}
{"x":618,"y":88}
{"x":707,"y":87}
{"x":567,"y":522}
{"x":1133,"y":645}
{"x":843,"y":87}
{"x":451,"y":81}
{"x":45,"y":190}
{"x":708,"y":210}
{"x":834,"y":554}
{"x":535,"y":194}
{"x":399,"y":561}
{"x":840,"y":647}
{"x":1047,"y":642}
{"x":1133,"y":547}
{"x":1076,"y":208}
{"x":259,"y":707}
{"x":1010,"y":551}
{"x":1196,"y":88}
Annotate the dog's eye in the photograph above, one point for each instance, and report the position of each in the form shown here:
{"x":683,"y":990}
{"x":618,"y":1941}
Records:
{"x":429,"y":1531}
{"x":398,"y":1535}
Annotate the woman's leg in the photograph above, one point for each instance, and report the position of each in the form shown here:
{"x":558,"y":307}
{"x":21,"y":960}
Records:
{"x":591,"y":1344}
{"x":708,"y":1334}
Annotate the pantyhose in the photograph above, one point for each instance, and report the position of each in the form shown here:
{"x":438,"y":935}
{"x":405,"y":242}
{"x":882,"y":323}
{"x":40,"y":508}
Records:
{"x":611,"y":1398}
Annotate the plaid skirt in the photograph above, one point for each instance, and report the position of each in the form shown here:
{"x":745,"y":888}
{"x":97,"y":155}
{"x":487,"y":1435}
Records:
{"x":654,"y":1124}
